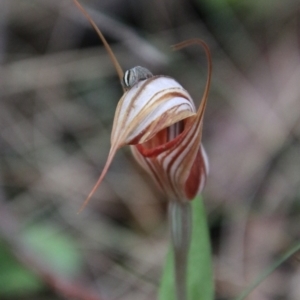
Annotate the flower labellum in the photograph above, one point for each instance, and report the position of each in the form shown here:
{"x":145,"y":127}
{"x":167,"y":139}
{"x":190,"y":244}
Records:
{"x":157,"y":117}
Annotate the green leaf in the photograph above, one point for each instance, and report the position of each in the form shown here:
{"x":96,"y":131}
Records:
{"x":14,"y":278}
{"x":56,"y":247}
{"x":52,"y":245}
{"x":199,"y":280}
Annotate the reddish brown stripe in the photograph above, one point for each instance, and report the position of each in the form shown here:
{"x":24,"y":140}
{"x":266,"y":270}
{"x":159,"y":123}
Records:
{"x":193,"y":180}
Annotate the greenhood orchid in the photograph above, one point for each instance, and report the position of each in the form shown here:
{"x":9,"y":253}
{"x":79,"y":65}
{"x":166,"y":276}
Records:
{"x":157,"y":118}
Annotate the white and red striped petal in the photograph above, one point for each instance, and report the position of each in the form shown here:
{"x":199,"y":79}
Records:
{"x":158,"y":118}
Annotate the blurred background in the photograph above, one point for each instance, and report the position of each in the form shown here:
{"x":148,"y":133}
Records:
{"x":58,"y":94}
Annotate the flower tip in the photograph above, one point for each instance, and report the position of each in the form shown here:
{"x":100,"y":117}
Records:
{"x":110,"y":157}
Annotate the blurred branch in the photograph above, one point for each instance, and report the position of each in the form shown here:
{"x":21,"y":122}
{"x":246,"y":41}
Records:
{"x":117,"y":30}
{"x":55,"y":69}
{"x":3,"y":33}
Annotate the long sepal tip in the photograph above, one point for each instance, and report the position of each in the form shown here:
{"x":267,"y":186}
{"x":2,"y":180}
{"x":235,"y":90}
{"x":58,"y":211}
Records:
{"x":105,"y":43}
{"x":104,"y":171}
{"x":209,"y":67}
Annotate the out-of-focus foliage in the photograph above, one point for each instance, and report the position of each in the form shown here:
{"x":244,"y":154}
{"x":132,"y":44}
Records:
{"x":15,"y":279}
{"x":55,"y":247}
{"x":47,"y":242}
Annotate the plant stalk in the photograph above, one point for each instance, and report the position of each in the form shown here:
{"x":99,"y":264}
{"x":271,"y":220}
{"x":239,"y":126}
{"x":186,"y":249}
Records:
{"x":180,"y":218}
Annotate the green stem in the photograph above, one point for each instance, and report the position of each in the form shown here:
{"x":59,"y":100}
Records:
{"x":180,"y":217}
{"x":268,"y":271}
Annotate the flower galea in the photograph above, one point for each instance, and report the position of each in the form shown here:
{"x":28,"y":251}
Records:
{"x":157,"y":117}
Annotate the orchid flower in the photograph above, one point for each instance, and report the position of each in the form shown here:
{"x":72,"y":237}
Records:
{"x":157,"y":117}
